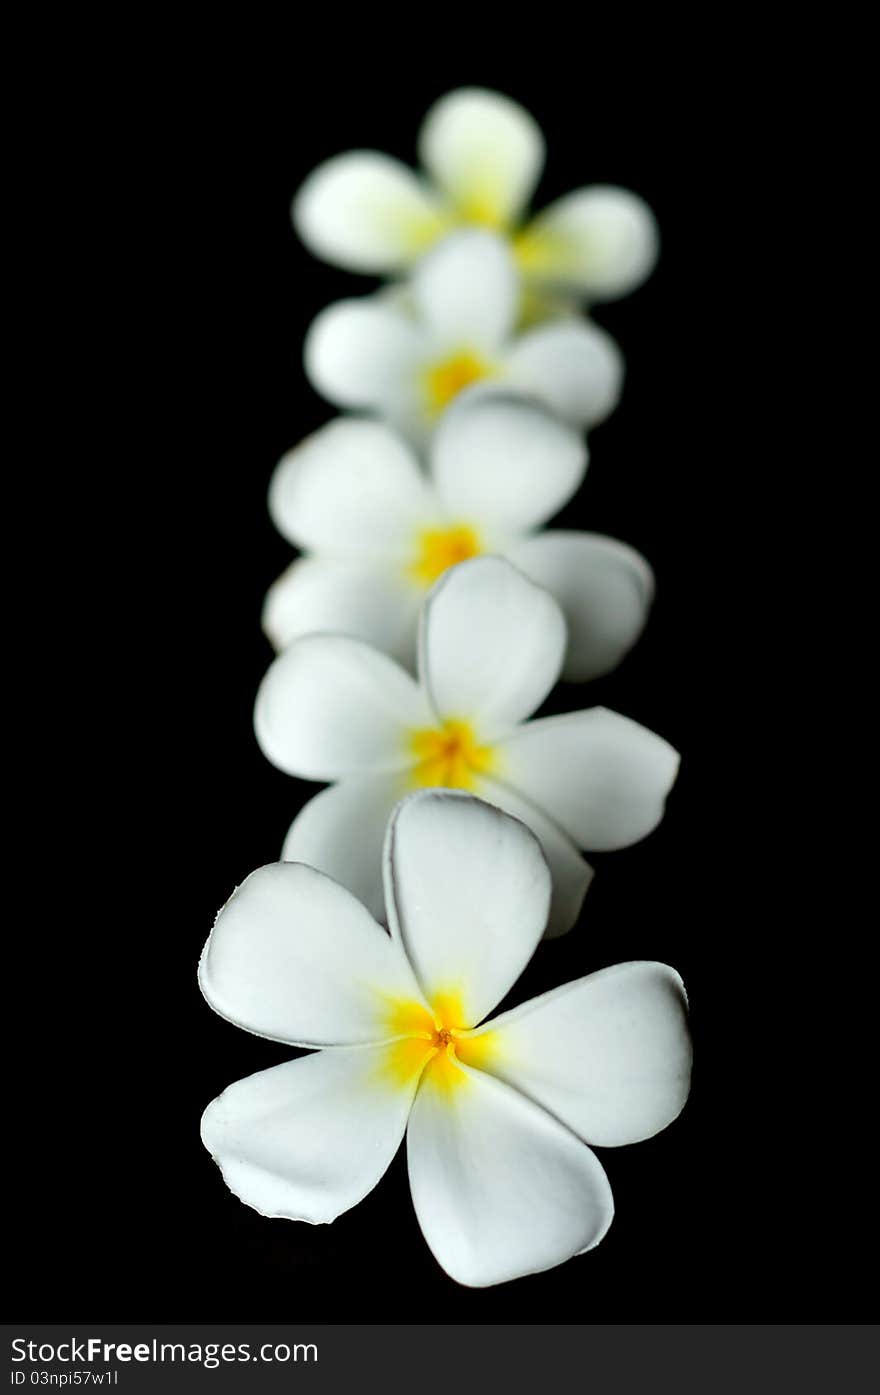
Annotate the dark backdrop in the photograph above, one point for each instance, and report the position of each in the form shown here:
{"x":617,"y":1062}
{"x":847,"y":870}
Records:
{"x":118,"y":1211}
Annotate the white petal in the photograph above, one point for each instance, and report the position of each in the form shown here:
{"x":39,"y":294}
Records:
{"x":571,"y":874}
{"x":363,"y":353}
{"x":601,"y":240}
{"x":352,"y":485}
{"x":365,"y":599}
{"x":604,"y":587}
{"x":331,"y":706}
{"x":467,"y":291}
{"x":506,"y":462}
{"x":572,"y":366}
{"x":296,"y":958}
{"x":467,"y":892}
{"x":485,"y":152}
{"x":500,"y":1188}
{"x":366,"y":212}
{"x":309,"y":1139}
{"x":491,"y":644}
{"x":608,"y":1055}
{"x":341,"y":831}
{"x":601,"y":777}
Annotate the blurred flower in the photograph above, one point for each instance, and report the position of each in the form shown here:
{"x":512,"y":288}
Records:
{"x":483,"y":154}
{"x":497,"y":1117}
{"x":377,"y":534}
{"x":408,"y":358}
{"x":491,"y":647}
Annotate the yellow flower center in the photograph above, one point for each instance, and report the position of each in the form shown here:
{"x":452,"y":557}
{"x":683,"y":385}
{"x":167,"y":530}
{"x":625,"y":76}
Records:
{"x":482,"y":206}
{"x":434,"y":1042}
{"x":445,"y":380}
{"x":449,"y":756}
{"x":441,"y":548}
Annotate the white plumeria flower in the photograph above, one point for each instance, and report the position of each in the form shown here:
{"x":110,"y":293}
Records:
{"x":377,"y":533}
{"x":491,"y":647}
{"x":498,"y":1117}
{"x":408,"y":361}
{"x":484,"y":154}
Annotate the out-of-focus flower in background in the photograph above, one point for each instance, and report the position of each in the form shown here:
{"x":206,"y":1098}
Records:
{"x":378,"y":533}
{"x":408,"y":357}
{"x":483,"y":155}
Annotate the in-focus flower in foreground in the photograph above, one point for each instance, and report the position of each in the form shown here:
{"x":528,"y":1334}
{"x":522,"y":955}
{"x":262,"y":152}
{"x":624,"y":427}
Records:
{"x":377,"y":533}
{"x":408,"y":359}
{"x":484,"y":154}
{"x":498,"y":1117}
{"x":491,"y":647}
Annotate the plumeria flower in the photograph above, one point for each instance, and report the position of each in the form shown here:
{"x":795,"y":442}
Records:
{"x":498,"y":1117}
{"x":408,"y":360}
{"x":491,"y":646}
{"x":377,"y":533}
{"x":483,"y":155}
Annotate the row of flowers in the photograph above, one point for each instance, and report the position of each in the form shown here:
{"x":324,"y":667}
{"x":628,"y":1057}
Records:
{"x":428,"y":616}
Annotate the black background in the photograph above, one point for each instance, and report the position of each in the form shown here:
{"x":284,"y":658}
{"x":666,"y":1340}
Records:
{"x":205,"y":297}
